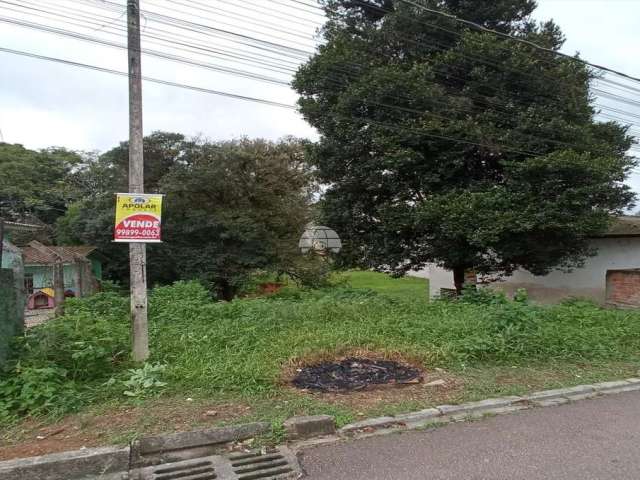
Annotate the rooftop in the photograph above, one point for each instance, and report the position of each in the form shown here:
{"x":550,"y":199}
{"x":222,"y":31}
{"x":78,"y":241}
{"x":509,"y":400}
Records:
{"x":22,"y":227}
{"x":38,"y":254}
{"x":624,"y":226}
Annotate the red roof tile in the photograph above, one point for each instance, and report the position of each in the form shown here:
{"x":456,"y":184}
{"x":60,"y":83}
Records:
{"x":38,"y":254}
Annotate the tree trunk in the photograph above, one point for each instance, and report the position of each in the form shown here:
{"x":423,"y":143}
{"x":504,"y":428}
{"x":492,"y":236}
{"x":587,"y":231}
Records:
{"x":226,"y":291}
{"x":458,"y":279}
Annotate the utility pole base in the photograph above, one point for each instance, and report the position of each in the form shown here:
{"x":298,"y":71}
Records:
{"x":139,"y":323}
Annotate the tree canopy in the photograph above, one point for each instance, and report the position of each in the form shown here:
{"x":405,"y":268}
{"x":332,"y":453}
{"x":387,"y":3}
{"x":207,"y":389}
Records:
{"x":34,"y":183}
{"x":230,"y":208}
{"x":234,"y":207}
{"x":442,"y":143}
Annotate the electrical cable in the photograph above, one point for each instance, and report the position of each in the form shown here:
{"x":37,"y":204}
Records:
{"x":520,"y":40}
{"x":390,"y":106}
{"x":148,"y":79}
{"x":429,"y":113}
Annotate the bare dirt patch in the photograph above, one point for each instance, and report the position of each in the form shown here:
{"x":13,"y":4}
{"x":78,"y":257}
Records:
{"x":116,"y":425}
{"x":395,"y":400}
{"x":354,"y":374}
{"x":435,"y":386}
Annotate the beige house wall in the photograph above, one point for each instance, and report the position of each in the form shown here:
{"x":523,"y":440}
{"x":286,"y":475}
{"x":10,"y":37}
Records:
{"x":588,"y":281}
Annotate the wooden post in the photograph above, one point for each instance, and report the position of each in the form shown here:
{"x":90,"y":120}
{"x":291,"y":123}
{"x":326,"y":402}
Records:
{"x":89,"y":281}
{"x":58,"y":286}
{"x":78,"y":272}
{"x":137,"y":251}
{"x":1,"y":239}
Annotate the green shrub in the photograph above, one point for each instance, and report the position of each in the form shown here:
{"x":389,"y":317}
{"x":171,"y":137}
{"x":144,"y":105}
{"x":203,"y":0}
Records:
{"x":311,"y":271}
{"x":108,"y":286}
{"x":213,"y":347}
{"x":89,"y":342}
{"x":57,"y":365}
{"x":37,"y":391}
{"x":480,"y":296}
{"x":145,"y":381}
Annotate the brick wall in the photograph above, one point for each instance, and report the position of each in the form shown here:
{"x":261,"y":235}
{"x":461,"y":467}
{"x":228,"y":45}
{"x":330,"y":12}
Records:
{"x":623,"y":288}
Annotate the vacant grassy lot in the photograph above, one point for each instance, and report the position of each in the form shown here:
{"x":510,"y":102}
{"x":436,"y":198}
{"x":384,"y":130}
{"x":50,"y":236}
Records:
{"x":216,"y":363}
{"x":406,"y":288}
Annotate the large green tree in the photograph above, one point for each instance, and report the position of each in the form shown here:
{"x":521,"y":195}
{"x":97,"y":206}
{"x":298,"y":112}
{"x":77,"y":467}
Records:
{"x":90,"y":219}
{"x":230,"y":208}
{"x":34,"y":183}
{"x":442,"y":143}
{"x":234,"y":207}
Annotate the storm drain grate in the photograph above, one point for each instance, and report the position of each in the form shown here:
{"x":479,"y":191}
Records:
{"x":255,"y":466}
{"x":274,"y":464}
{"x":195,"y":470}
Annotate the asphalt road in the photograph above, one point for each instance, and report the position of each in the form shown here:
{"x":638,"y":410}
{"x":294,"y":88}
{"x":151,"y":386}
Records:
{"x":596,"y":439}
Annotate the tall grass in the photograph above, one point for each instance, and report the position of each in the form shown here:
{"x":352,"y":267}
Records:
{"x":242,"y":346}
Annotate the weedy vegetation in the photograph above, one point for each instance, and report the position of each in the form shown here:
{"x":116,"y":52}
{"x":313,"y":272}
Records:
{"x":239,"y":348}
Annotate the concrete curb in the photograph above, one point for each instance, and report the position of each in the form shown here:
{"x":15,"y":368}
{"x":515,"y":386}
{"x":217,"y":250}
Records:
{"x":175,"y":447}
{"x":98,"y":463}
{"x":452,"y":413}
{"x":116,"y":463}
{"x":299,"y":428}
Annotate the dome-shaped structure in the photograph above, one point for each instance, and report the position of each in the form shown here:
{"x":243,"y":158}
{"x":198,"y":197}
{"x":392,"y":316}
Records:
{"x":320,"y":240}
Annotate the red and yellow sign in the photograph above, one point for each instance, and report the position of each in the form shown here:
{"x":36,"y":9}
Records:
{"x":138,"y":217}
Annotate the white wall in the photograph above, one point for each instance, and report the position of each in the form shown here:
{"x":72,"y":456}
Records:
{"x":423,"y":273}
{"x":588,"y":281}
{"x":439,"y":278}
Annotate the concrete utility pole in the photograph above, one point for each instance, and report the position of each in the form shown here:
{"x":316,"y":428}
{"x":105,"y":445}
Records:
{"x":137,"y":251}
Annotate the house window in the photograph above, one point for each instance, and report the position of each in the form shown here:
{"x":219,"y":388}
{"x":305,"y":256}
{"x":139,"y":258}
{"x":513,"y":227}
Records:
{"x":28,"y":283}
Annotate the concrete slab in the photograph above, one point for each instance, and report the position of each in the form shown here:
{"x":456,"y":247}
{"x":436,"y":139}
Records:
{"x":187,"y":445}
{"x":98,"y":463}
{"x":298,"y":428}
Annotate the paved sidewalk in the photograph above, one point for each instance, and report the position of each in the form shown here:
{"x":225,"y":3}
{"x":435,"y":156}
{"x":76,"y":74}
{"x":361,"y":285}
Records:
{"x":596,"y":439}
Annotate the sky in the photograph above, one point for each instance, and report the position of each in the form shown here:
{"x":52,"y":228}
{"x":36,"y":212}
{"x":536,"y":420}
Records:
{"x":46,"y":104}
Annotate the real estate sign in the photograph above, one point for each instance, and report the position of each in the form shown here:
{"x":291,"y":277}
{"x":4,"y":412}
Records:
{"x":138,"y":217}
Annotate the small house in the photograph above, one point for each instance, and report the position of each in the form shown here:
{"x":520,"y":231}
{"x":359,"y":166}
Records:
{"x":610,"y":277}
{"x":81,"y":271}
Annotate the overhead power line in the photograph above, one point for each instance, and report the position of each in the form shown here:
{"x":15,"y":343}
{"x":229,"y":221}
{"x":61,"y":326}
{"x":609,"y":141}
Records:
{"x":427,"y":24}
{"x":270,"y":67}
{"x":203,"y":7}
{"x":520,"y":40}
{"x":175,"y":41}
{"x":306,"y":38}
{"x":317,"y":7}
{"x":371,"y":102}
{"x":294,"y":6}
{"x":201,"y":28}
{"x":269,"y":11}
{"x":155,"y":53}
{"x":148,"y":79}
{"x":260,"y":100}
{"x":339,"y":81}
